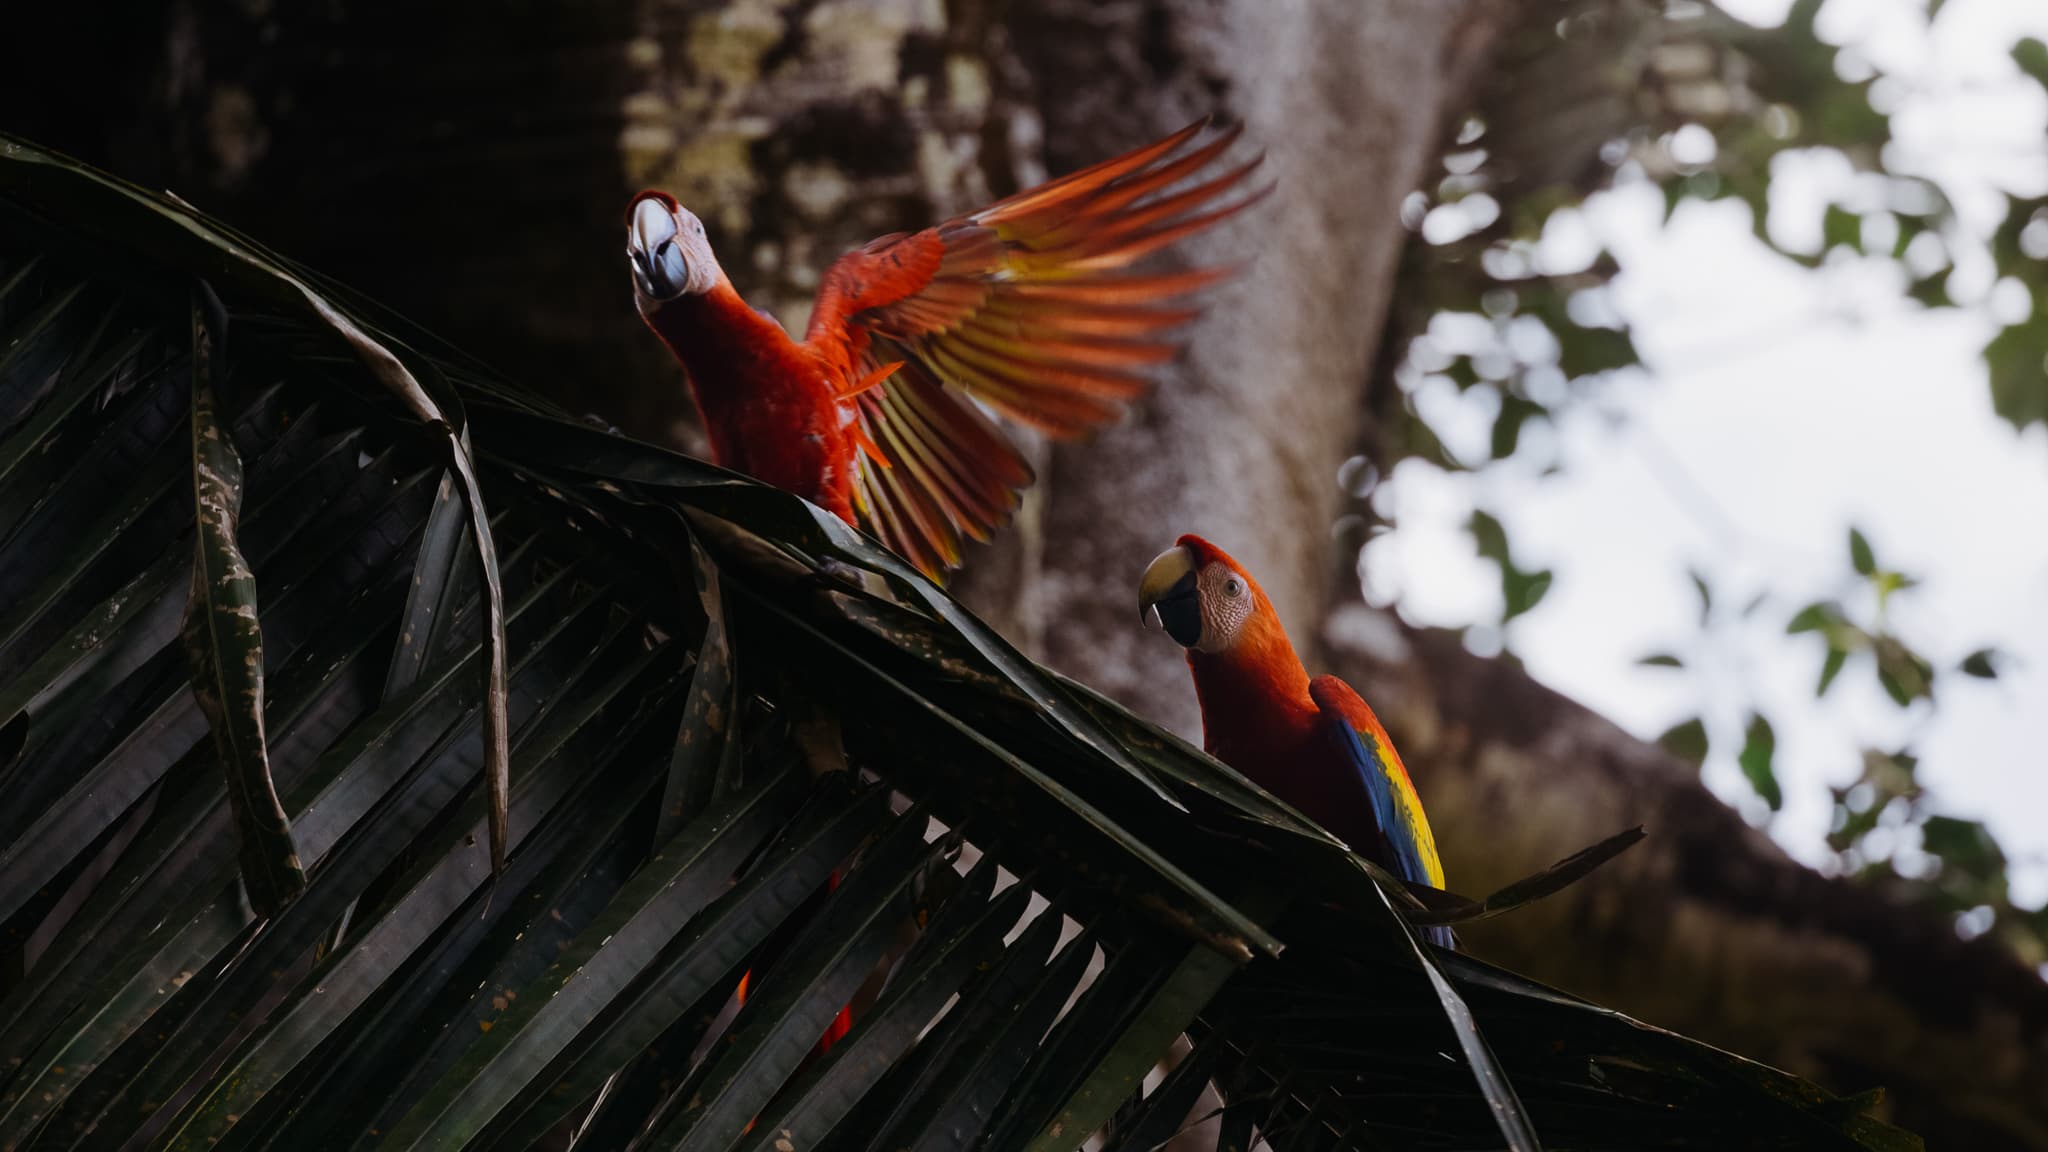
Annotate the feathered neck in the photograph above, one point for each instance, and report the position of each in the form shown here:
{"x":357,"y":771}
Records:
{"x":713,"y":324}
{"x":1251,"y":689}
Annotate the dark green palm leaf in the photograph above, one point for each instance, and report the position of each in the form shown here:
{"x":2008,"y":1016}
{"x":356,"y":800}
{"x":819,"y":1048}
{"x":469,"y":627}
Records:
{"x":707,"y":742}
{"x":224,"y":642}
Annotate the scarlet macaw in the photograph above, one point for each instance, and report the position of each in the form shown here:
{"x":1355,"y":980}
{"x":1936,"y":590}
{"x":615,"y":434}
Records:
{"x":1027,"y":306}
{"x":1313,"y":743}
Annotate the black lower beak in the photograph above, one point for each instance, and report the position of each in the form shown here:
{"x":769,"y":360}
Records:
{"x":1179,"y":612}
{"x":643,"y":273}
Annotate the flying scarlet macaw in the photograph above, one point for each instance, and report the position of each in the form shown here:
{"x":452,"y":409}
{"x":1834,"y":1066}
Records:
{"x":1313,"y":743}
{"x":1027,"y":306}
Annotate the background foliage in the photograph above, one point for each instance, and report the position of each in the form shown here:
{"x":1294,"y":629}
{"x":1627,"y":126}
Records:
{"x":1707,"y":108}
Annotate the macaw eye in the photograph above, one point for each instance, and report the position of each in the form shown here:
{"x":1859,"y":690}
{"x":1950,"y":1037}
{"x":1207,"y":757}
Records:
{"x":1233,"y":587}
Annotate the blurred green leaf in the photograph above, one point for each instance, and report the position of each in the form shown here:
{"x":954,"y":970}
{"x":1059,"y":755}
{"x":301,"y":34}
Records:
{"x":1686,"y":740}
{"x":1661,"y":660}
{"x":1676,"y":192}
{"x":1909,"y":229}
{"x":1983,"y":664}
{"x":1523,"y":591}
{"x":1706,"y":594}
{"x":1860,"y":554}
{"x":2018,"y":360}
{"x":1964,"y":845}
{"x":1849,"y":824}
{"x":1904,"y":674}
{"x":1491,"y":538}
{"x":1829,"y":669}
{"x":2032,"y":57}
{"x":1888,"y":583}
{"x":2008,"y":253}
{"x":1520,"y":590}
{"x":1841,"y":228}
{"x":1586,"y":351}
{"x":1932,"y":290}
{"x":1759,"y":744}
{"x":1847,"y":121}
{"x":1814,"y":617}
{"x":1507,"y":424}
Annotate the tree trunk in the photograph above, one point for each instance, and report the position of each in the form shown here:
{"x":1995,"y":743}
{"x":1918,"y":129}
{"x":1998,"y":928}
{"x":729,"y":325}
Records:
{"x":1244,"y":438}
{"x":469,"y":162}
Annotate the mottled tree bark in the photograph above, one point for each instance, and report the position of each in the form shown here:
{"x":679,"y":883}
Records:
{"x":1243,"y":439}
{"x":468,"y":163}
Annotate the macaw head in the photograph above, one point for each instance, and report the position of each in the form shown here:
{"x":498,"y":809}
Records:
{"x":1195,"y":593}
{"x":667,"y":248}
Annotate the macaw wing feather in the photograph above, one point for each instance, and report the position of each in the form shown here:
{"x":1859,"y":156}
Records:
{"x":1406,"y":842}
{"x":1029,"y":307}
{"x":934,"y":470}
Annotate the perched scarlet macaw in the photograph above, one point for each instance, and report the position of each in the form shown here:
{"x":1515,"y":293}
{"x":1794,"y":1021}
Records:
{"x":1027,"y":306}
{"x":1313,"y":743}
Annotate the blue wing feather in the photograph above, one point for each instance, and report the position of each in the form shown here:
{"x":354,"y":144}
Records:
{"x":1407,"y":854}
{"x":1404,"y":830}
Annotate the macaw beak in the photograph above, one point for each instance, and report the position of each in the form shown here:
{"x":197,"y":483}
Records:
{"x":660,"y":271}
{"x":1167,"y":599}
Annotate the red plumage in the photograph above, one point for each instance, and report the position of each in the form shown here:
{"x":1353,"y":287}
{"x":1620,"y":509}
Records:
{"x":1027,"y":306}
{"x":1312,"y":742}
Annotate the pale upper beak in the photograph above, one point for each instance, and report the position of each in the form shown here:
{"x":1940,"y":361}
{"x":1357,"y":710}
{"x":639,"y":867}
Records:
{"x":1168,"y":599}
{"x":660,"y":271}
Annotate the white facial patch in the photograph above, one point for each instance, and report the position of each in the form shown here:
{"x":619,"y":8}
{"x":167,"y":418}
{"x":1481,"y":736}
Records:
{"x":704,"y":271}
{"x":1226,"y":604}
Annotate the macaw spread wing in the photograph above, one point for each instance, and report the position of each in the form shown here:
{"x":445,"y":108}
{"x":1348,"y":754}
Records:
{"x":1028,"y":306}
